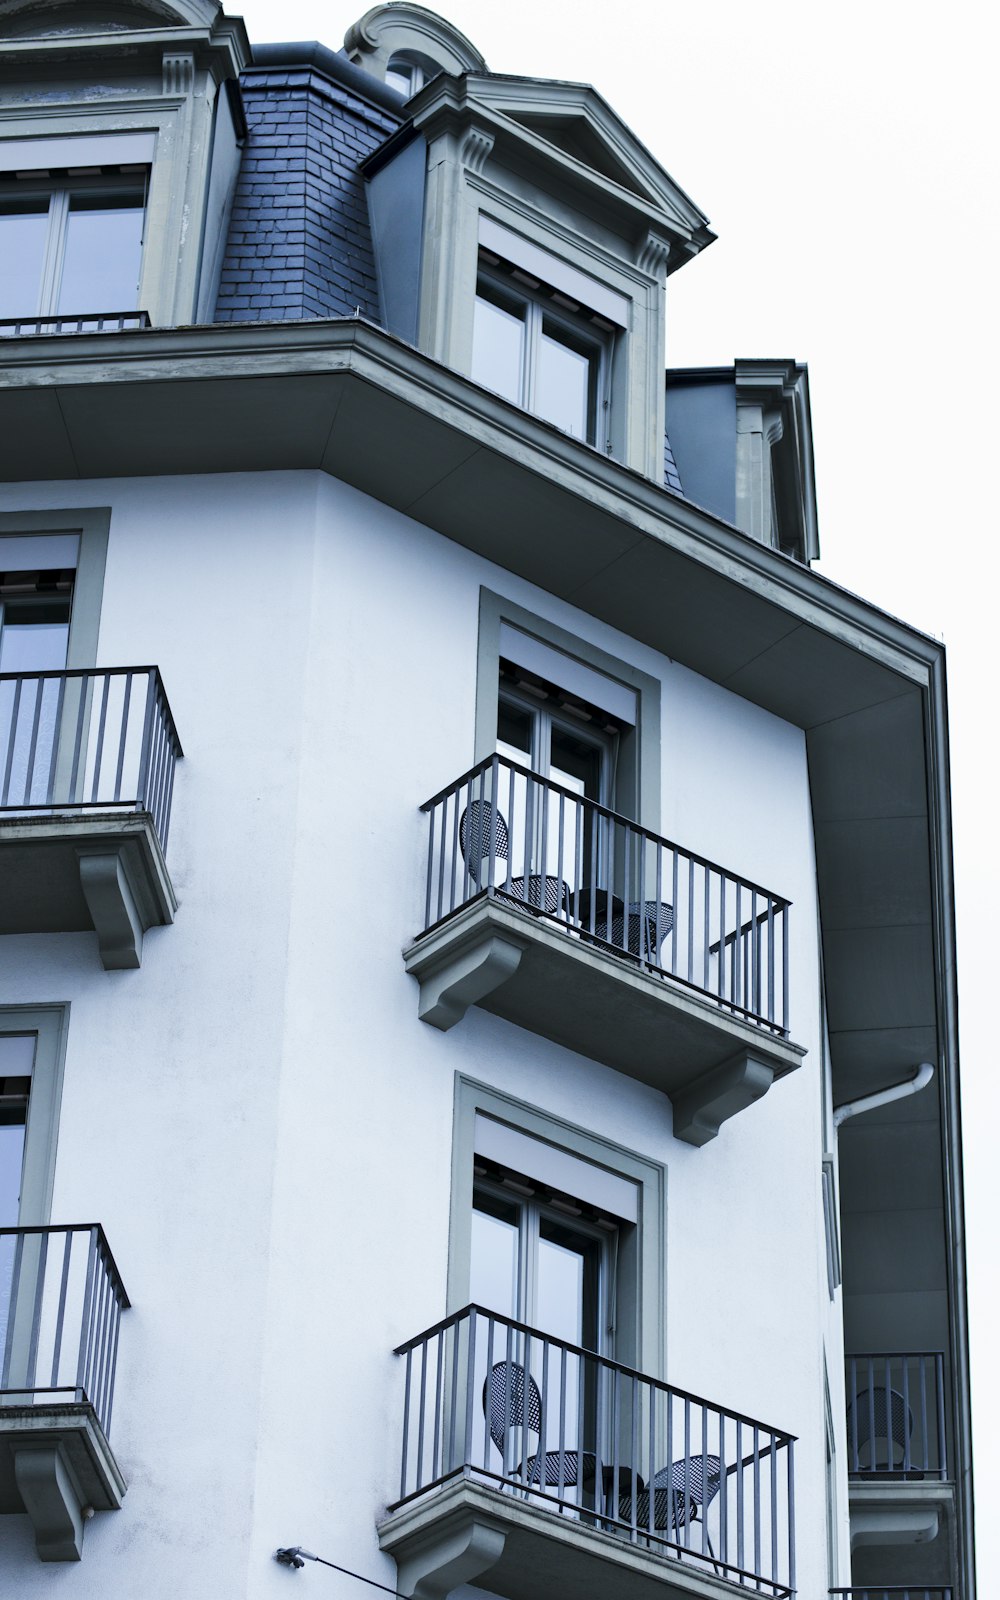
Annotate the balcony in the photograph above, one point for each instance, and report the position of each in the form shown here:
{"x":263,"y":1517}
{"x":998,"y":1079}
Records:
{"x":98,"y":322}
{"x":87,"y":762}
{"x":581,"y":926}
{"x":897,"y":1452}
{"x":61,"y":1300}
{"x":541,"y":1471}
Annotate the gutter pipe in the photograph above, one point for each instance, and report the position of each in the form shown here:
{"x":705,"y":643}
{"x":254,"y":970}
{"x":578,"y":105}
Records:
{"x":897,"y":1091}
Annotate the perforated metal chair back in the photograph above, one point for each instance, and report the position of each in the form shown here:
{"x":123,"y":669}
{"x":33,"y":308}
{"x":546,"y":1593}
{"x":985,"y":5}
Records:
{"x":482,"y":832}
{"x":879,"y":1417}
{"x":681,"y":1494}
{"x":506,"y":1393}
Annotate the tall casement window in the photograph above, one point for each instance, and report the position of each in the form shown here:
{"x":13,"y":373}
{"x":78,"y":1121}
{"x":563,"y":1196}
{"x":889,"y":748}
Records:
{"x":540,"y":349}
{"x":70,"y":245}
{"x":17,"y":1058}
{"x":34,"y":638}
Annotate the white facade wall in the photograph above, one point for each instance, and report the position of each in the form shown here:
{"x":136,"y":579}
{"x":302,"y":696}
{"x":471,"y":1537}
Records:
{"x":257,"y":1116}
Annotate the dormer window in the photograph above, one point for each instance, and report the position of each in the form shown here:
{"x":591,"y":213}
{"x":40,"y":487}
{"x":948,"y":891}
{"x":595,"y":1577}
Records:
{"x":535,"y":348}
{"x":70,"y":246}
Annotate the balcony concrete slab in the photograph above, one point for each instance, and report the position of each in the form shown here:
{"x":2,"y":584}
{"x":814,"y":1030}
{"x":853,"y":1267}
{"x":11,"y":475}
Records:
{"x":465,"y":1532}
{"x":556,"y":983}
{"x":64,"y":872}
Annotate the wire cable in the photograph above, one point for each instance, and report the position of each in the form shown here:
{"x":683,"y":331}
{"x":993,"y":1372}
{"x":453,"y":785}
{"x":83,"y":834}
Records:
{"x":307,"y":1555}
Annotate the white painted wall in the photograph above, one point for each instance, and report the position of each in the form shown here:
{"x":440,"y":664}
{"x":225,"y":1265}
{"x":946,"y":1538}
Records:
{"x":257,"y":1116}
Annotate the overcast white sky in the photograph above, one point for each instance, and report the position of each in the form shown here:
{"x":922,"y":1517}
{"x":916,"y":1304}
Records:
{"x":846,"y":156}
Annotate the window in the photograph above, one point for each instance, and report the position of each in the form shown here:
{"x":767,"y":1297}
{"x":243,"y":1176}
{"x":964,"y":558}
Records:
{"x":534,"y":1261}
{"x":17,"y":1055}
{"x":406,"y":75}
{"x":34,"y":637}
{"x":71,"y":246}
{"x":32,"y":1043}
{"x":539,"y":349}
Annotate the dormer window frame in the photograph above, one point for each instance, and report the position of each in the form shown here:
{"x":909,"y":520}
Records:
{"x":549,"y":318}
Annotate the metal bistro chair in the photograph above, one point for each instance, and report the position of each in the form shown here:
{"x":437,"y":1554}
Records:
{"x":512,"y":1402}
{"x":649,"y":922}
{"x":682,"y":1494}
{"x":879,"y":1423}
{"x":482,"y":833}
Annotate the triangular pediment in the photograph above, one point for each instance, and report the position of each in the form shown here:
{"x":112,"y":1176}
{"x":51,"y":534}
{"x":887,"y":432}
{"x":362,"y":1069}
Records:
{"x":580,"y":128}
{"x":575,"y":137}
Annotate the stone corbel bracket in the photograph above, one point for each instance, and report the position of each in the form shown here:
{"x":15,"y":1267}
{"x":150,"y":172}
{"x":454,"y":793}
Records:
{"x":702,"y":1108}
{"x":469,"y":969}
{"x":127,"y":890}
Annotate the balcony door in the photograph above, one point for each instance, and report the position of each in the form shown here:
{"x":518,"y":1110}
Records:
{"x":34,"y":637}
{"x":533,"y":1262}
{"x":568,"y":744}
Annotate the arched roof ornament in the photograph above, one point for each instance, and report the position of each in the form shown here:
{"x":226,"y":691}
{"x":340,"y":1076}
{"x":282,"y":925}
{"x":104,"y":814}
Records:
{"x":419,"y":36}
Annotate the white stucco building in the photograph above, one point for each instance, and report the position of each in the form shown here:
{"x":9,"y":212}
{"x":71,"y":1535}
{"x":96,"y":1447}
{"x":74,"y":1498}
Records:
{"x":478,"y":1069}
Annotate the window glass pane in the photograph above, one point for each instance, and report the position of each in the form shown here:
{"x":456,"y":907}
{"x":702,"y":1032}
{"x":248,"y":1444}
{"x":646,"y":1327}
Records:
{"x":102,"y":254}
{"x":33,"y":635}
{"x":498,"y":349}
{"x":567,"y":1287}
{"x":23,"y":227}
{"x":578,"y":763}
{"x":563,"y":384}
{"x":495,"y":1232}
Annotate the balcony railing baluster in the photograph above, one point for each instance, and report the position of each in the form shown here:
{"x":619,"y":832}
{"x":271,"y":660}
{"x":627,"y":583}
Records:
{"x":61,"y":1298}
{"x":87,"y":739}
{"x":508,"y":834}
{"x":91,"y":322}
{"x":593,"y":1440}
{"x":895,"y":1429}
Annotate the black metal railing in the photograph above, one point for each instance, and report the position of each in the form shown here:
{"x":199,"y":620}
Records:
{"x":504,"y":832}
{"x":88,"y":738}
{"x":590,"y":1439}
{"x":61,"y":1300}
{"x":92,"y":322}
{"x":895,"y":1415}
{"x":914,"y":1592}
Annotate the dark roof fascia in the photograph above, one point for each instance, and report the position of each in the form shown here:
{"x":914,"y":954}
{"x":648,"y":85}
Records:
{"x":700,"y":374}
{"x":330,"y":64}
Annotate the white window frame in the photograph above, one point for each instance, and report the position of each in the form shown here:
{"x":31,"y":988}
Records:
{"x":587,"y":334}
